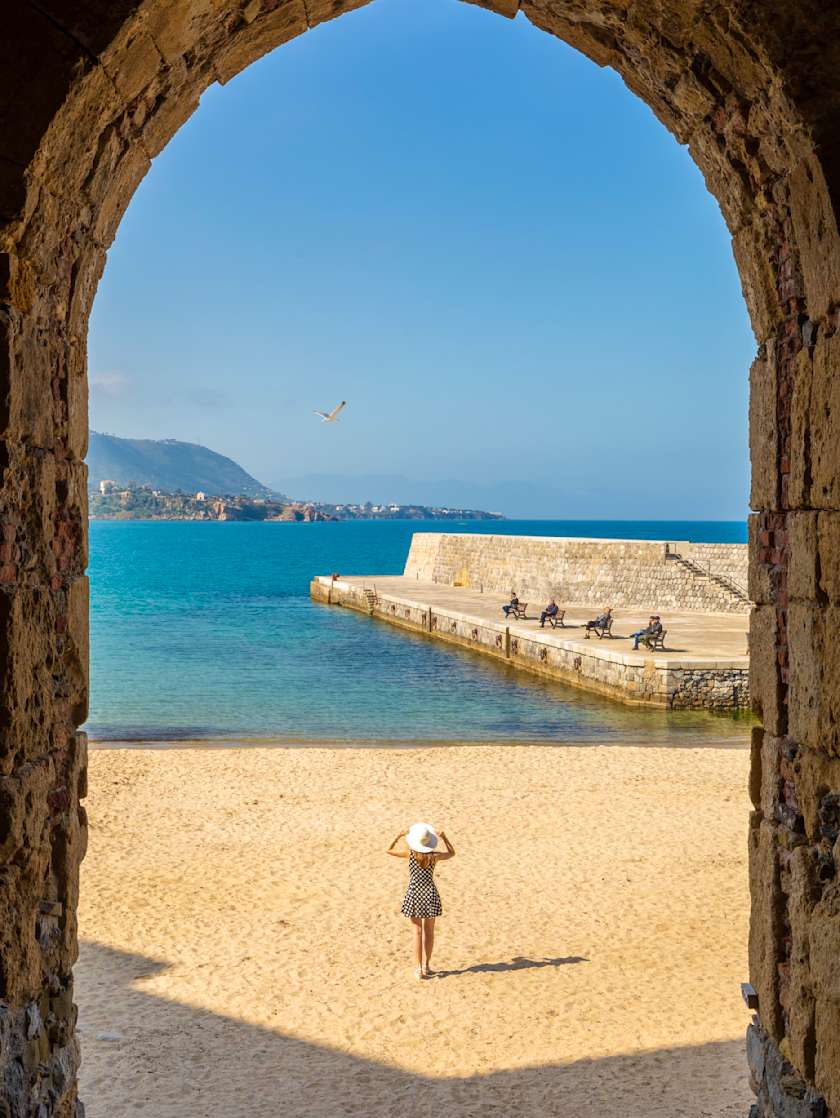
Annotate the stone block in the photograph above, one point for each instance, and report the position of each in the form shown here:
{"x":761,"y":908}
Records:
{"x":824,"y":936}
{"x":17,"y":282}
{"x":815,"y":226}
{"x":765,"y":683}
{"x":76,"y":139}
{"x":802,"y":564}
{"x":112,"y":187}
{"x":756,"y":1045}
{"x":826,"y":556}
{"x":807,"y":652}
{"x":771,"y":753}
{"x":758,"y":275}
{"x":26,"y":826}
{"x":596,"y":41}
{"x":764,"y":439}
{"x":814,"y":698}
{"x":507,"y":8}
{"x":163,"y":119}
{"x":42,"y":679}
{"x":88,"y":268}
{"x":782,"y":1092}
{"x":27,"y":362}
{"x":23,"y":799}
{"x":760,"y":579}
{"x":319,"y":11}
{"x":802,"y":888}
{"x":78,"y":419}
{"x":827,"y":1056}
{"x":765,"y":923}
{"x":816,"y":435}
{"x":817,"y":776}
{"x":756,"y":743}
{"x":267,"y":31}
{"x":132,"y":60}
{"x":77,"y":654}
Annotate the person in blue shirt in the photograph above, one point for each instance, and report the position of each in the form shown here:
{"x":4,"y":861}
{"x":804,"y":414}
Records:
{"x":654,"y":629}
{"x":600,"y":622}
{"x":550,"y":610}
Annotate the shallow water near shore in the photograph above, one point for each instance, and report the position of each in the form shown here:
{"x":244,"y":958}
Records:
{"x":204,"y":633}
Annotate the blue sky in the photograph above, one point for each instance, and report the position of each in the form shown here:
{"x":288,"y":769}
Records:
{"x":481,"y":240}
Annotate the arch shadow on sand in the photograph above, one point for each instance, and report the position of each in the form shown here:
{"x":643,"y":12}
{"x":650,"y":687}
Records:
{"x":146,"y":1054}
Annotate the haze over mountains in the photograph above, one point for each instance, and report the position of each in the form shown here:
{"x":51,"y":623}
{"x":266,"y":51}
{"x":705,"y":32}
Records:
{"x":443,"y":492}
{"x":169,"y":465}
{"x":513,"y":497}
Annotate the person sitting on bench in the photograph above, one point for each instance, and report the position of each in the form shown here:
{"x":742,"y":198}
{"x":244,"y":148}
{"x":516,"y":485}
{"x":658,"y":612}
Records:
{"x":653,"y":630}
{"x":513,"y":604}
{"x":601,"y":621}
{"x":551,"y":610}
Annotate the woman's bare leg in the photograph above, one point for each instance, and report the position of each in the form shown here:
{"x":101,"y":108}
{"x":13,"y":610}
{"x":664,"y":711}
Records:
{"x":418,"y":942}
{"x":428,"y":940}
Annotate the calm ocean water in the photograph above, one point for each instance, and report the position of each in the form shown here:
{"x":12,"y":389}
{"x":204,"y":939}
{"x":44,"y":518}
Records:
{"x":206,"y":631}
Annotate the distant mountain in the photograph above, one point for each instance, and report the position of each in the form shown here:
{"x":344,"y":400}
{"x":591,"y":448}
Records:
{"x":168,"y":465}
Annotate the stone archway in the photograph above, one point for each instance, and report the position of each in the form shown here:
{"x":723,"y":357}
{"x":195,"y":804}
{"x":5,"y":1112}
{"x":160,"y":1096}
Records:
{"x":91,"y":92}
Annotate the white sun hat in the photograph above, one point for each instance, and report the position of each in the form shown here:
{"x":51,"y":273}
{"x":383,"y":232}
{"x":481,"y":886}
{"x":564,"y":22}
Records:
{"x":422,"y":838}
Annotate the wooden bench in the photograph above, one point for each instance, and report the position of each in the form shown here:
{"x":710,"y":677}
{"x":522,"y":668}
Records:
{"x":517,"y":612}
{"x":656,"y":644}
{"x":557,"y":619}
{"x":601,"y":630}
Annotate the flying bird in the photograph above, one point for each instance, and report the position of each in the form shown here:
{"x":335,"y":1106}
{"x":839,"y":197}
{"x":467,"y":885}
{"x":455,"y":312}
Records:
{"x":332,"y":416}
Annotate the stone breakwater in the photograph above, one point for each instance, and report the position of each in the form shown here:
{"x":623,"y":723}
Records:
{"x":653,"y":575}
{"x":668,"y":680}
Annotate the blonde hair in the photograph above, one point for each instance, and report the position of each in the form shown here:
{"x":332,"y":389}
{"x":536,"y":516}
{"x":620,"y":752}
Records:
{"x":425,"y":860}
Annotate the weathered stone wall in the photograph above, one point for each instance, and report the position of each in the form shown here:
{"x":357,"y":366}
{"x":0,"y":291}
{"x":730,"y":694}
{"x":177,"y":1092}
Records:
{"x":90,"y":92}
{"x":599,"y":572}
{"x":657,"y":682}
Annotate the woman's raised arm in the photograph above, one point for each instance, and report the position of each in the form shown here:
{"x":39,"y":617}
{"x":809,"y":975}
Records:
{"x":397,"y":853}
{"x":450,"y":849}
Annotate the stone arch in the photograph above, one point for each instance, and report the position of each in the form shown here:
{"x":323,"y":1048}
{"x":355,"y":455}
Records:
{"x":91,"y":92}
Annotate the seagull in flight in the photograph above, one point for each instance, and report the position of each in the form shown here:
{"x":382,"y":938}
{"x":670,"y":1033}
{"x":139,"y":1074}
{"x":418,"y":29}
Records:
{"x":332,"y":416}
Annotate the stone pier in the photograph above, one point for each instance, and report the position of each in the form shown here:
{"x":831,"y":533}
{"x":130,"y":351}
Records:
{"x":705,"y":665}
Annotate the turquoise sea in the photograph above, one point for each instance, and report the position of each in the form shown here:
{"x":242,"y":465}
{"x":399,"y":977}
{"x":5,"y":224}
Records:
{"x":205,"y":631}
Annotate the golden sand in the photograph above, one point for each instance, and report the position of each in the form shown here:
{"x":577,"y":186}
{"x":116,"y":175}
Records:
{"x":243,"y":952}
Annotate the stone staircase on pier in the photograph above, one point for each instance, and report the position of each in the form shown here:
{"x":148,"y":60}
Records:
{"x":726,"y":584}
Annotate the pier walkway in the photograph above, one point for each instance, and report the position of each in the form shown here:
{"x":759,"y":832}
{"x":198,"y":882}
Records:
{"x":705,"y":663}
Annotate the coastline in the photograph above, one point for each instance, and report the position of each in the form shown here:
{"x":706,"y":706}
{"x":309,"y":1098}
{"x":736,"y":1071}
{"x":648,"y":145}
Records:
{"x":735,"y":742}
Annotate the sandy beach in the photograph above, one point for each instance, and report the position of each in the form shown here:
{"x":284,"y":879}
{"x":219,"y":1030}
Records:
{"x":243,"y":952}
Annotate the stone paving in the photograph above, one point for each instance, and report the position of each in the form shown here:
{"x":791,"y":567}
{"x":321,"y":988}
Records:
{"x":690,"y":637}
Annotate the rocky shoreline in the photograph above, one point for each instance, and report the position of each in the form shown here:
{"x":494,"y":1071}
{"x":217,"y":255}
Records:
{"x":112,"y":502}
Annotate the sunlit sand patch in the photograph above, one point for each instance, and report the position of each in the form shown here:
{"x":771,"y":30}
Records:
{"x":241,"y":921}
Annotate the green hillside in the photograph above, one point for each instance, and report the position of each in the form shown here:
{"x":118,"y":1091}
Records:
{"x":168,"y":465}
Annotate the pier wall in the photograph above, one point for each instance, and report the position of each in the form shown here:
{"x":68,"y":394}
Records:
{"x":653,"y":575}
{"x":657,"y":682}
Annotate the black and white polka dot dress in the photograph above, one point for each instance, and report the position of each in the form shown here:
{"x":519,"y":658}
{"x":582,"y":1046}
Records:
{"x":421,"y":898}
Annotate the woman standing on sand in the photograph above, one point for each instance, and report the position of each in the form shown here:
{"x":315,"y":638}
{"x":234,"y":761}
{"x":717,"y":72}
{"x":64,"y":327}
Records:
{"x":421,"y":903}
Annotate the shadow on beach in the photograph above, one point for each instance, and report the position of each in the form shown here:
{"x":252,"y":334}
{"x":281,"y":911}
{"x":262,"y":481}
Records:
{"x":518,"y":962}
{"x":143,"y":1053}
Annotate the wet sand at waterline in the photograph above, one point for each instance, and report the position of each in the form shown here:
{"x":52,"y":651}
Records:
{"x":243,"y":952}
